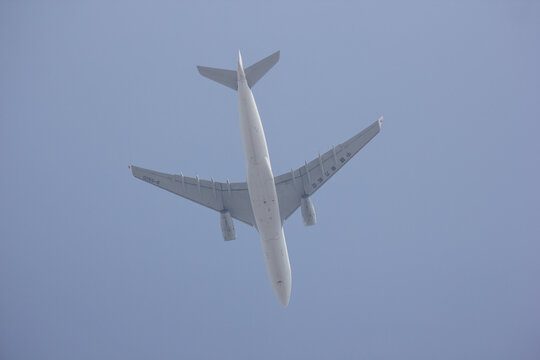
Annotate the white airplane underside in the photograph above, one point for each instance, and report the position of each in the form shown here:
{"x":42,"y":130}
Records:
{"x":263,"y":201}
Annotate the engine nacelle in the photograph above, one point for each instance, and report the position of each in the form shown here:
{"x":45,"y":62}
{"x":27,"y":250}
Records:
{"x":227,"y":226}
{"x":308,"y":211}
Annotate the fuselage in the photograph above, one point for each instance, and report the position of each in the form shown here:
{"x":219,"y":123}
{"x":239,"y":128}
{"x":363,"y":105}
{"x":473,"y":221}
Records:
{"x":262,"y":192}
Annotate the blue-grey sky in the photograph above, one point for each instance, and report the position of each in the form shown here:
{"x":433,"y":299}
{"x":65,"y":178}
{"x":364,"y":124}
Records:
{"x":427,"y":243}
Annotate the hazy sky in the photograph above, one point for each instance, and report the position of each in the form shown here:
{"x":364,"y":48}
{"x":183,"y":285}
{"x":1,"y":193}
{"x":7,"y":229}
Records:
{"x":427,"y":244}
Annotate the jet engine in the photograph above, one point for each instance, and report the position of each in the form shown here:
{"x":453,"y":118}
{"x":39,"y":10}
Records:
{"x":227,"y":226}
{"x":308,"y":211}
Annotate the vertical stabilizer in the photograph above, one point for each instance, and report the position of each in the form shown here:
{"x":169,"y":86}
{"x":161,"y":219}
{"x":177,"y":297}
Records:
{"x":240,"y":63}
{"x":240,"y":72}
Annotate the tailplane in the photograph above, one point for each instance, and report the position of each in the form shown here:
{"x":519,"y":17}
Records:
{"x":229,"y":77}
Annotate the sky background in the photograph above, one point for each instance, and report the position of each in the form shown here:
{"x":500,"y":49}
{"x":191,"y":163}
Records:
{"x":427,"y":244}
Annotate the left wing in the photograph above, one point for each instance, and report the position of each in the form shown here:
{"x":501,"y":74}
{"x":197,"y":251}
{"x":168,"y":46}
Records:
{"x":303,"y":182}
{"x":232,"y":197}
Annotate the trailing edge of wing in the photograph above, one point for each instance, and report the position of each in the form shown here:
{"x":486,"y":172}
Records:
{"x":218,"y":196}
{"x":307,"y":179}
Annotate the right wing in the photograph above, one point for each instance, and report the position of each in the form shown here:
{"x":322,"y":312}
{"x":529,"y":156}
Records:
{"x":304,"y":181}
{"x":232,"y":197}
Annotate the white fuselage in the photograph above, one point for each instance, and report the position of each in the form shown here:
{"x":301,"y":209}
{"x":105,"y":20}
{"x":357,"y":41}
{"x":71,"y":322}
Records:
{"x":262,"y":192}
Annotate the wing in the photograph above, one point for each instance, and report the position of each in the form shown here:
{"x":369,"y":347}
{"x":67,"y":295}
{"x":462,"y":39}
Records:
{"x":306,"y":180}
{"x":233,"y":197}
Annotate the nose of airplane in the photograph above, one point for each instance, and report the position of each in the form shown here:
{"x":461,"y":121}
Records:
{"x":282,"y":290}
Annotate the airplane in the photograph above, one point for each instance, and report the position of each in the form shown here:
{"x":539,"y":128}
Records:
{"x":264,"y":201}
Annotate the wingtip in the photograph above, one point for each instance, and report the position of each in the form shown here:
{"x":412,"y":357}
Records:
{"x":380,"y":121}
{"x":200,"y":69}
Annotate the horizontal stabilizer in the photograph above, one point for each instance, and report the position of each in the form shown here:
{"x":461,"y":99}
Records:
{"x":229,"y":78}
{"x":256,"y":71}
{"x":222,"y":76}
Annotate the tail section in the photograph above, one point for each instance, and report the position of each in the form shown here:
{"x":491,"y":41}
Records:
{"x":229,"y":78}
